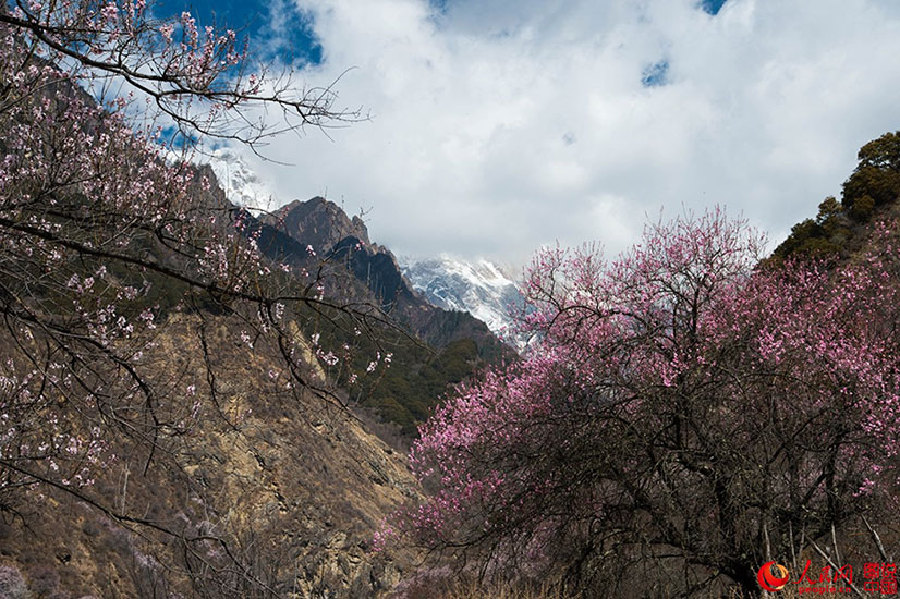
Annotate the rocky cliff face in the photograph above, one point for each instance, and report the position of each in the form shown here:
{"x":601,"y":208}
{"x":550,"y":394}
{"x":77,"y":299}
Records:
{"x":322,"y":229}
{"x":377,"y":268}
{"x":317,"y":222}
{"x":268,"y":483}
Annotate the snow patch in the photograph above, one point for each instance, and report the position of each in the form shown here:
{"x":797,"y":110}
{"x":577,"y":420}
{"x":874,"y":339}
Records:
{"x":241,"y":185}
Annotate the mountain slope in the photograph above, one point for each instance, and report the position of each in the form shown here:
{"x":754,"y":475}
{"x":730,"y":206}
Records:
{"x":293,"y":487}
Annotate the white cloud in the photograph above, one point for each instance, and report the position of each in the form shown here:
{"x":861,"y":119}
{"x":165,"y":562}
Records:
{"x":502,"y":126}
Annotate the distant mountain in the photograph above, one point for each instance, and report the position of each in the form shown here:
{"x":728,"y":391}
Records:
{"x":320,"y":226}
{"x":242,"y":186}
{"x":478,"y":287}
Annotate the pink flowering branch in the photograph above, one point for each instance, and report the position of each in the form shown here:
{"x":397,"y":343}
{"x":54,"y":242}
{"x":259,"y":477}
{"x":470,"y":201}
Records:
{"x":197,"y":78}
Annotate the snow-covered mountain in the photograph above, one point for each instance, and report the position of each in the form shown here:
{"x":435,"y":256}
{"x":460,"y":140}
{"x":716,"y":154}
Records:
{"x":479,"y":287}
{"x":241,"y":185}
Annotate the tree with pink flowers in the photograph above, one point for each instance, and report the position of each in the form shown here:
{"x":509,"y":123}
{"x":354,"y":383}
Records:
{"x":687,"y":416}
{"x":106,"y":229}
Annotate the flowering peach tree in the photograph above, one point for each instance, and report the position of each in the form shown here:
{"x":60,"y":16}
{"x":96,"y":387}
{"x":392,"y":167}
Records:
{"x":103,"y":235}
{"x":686,"y":409}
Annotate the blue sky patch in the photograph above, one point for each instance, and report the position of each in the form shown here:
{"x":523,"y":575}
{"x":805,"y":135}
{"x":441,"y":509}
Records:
{"x":656,"y":74}
{"x":274,"y":28}
{"x":439,"y":6}
{"x":712,"y":7}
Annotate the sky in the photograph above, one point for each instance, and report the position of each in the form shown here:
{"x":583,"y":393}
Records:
{"x":499,"y":126}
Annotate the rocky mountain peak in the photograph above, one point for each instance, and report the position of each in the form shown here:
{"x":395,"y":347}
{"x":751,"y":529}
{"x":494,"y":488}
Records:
{"x":317,"y":222}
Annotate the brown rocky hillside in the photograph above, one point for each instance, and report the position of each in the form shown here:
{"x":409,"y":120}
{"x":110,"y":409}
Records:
{"x":262,"y":483}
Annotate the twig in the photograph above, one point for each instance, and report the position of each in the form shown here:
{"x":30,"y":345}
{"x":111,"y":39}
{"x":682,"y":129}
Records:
{"x":793,"y":554}
{"x":877,"y":539}
{"x":837,"y":555}
{"x":835,"y":566}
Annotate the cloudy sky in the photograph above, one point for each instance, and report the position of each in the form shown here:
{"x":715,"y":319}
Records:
{"x":498,"y":126}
